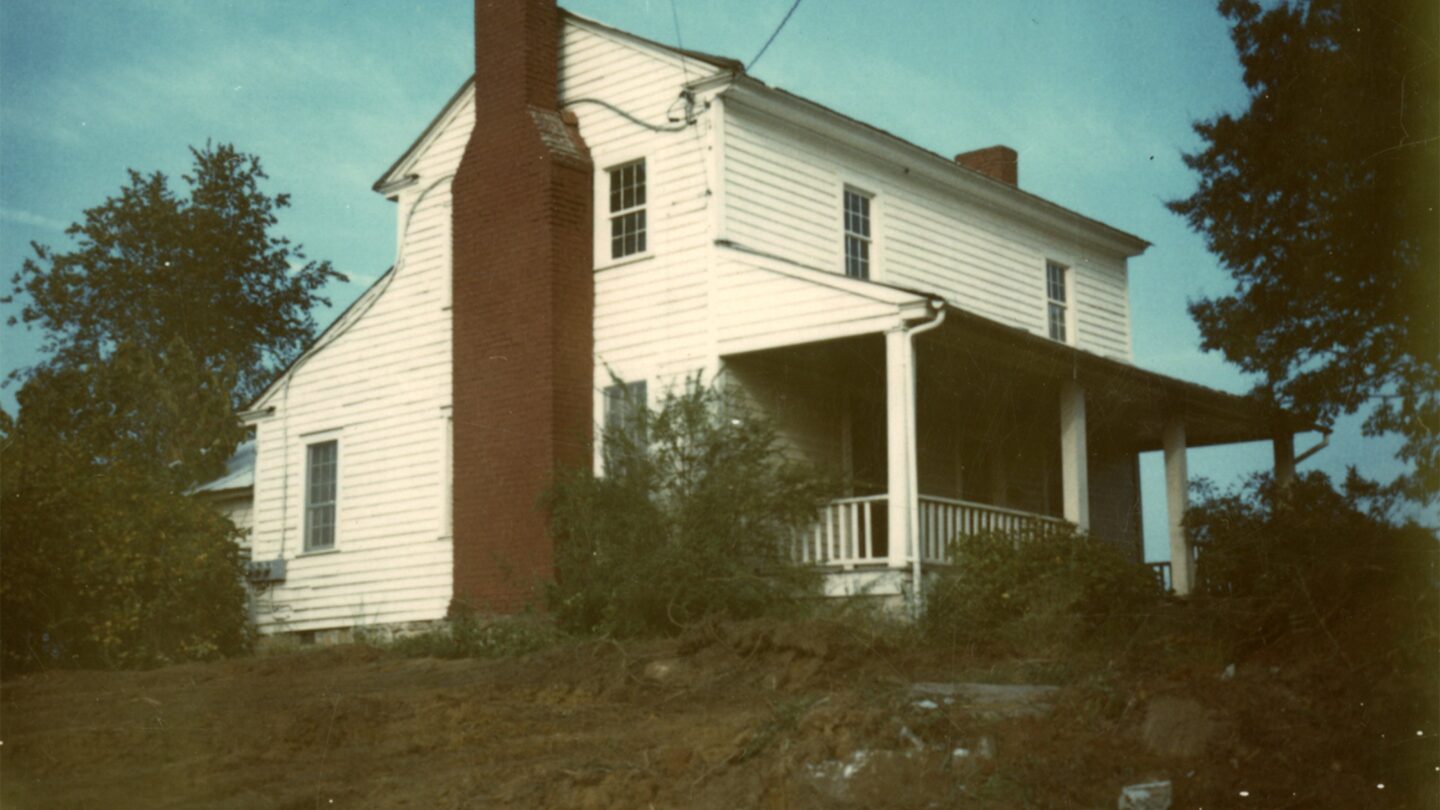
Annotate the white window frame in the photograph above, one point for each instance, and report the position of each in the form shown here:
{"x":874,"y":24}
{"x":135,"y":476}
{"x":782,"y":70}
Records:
{"x":1066,"y":303}
{"x":315,"y":440}
{"x":867,"y":238}
{"x":603,"y":240}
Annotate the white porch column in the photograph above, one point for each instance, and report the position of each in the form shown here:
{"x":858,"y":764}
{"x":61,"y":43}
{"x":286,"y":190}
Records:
{"x":899,"y":416}
{"x":1177,"y":500}
{"x":1074,"y":471}
{"x":1284,"y":444}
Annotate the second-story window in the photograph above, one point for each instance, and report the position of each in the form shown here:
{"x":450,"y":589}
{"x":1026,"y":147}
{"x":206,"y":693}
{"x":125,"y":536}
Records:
{"x":857,"y":234}
{"x":1057,"y":300}
{"x":627,"y":209}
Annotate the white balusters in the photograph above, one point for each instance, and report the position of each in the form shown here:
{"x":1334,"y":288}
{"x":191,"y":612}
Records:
{"x":844,"y":535}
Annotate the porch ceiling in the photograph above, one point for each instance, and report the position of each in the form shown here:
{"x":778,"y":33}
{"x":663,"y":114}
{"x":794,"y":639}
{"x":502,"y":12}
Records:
{"x":1129,"y":403}
{"x":1120,"y":393}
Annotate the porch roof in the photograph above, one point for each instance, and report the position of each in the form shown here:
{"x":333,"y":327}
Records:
{"x":1142,"y":397}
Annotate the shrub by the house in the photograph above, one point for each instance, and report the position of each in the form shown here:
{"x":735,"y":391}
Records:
{"x":692,"y":518}
{"x":1034,"y":595}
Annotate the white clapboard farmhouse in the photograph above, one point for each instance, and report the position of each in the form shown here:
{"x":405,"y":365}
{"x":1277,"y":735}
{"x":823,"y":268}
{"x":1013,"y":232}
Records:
{"x":591,"y":203}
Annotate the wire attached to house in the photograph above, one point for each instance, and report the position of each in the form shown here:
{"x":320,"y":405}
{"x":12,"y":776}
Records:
{"x":628,"y":116}
{"x":778,"y":28}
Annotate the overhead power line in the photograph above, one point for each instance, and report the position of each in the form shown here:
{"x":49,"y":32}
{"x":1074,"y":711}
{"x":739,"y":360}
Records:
{"x":778,"y":28}
{"x":679,"y":40}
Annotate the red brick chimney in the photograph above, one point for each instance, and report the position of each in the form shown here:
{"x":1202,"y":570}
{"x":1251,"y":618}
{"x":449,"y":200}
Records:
{"x":1000,"y":162}
{"x":523,"y":303}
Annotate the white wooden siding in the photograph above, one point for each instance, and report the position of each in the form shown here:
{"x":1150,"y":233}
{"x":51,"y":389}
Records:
{"x":652,"y":313}
{"x":381,"y":385}
{"x":384,"y":384}
{"x":239,"y":509}
{"x":761,"y":304}
{"x":782,"y":191}
{"x":804,"y":405}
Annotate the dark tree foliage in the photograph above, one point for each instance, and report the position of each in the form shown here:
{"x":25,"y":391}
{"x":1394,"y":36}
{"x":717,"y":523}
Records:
{"x":104,"y":558}
{"x":168,"y":312}
{"x":693,"y":519}
{"x":1321,"y":201}
{"x":150,"y":267}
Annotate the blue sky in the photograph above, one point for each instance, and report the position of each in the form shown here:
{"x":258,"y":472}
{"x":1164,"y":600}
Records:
{"x":1097,"y":97}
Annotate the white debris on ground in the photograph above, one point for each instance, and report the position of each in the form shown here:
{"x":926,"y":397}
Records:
{"x":839,"y":769}
{"x":992,"y":700}
{"x":984,"y":749}
{"x":1146,"y":796}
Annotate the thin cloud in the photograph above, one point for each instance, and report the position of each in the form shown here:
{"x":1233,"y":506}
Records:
{"x":33,"y":220}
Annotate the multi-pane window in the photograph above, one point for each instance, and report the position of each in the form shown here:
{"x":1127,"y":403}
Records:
{"x":1056,"y":295}
{"x":322,"y":461}
{"x":625,"y":405}
{"x":627,"y":210}
{"x":857,"y":234}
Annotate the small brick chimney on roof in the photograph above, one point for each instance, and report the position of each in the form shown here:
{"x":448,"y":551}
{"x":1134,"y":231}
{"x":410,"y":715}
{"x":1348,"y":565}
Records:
{"x":523,"y":300}
{"x":1000,"y":162}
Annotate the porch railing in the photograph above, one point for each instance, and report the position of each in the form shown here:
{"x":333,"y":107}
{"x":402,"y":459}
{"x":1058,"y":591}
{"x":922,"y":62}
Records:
{"x":1164,"y":572}
{"x":944,"y":519}
{"x":853,"y":531}
{"x":845,"y":534}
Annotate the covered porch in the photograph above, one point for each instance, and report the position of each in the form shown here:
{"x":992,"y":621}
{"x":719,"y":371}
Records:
{"x":952,"y":424}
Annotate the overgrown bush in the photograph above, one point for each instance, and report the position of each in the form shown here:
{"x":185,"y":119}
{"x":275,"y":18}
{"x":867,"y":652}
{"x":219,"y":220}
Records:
{"x":1036,"y":595}
{"x":105,"y":561}
{"x":1305,"y":557}
{"x":1342,"y":601}
{"x":692,"y":520}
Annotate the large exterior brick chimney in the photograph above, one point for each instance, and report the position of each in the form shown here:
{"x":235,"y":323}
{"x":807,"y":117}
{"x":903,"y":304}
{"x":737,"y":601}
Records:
{"x":523,"y":300}
{"x":1000,"y":162}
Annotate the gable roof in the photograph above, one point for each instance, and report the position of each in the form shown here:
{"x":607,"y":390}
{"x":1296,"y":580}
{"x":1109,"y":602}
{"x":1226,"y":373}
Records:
{"x":393,"y":178}
{"x":1002,"y":195}
{"x":389,"y":179}
{"x":336,"y":328}
{"x":722,"y":62}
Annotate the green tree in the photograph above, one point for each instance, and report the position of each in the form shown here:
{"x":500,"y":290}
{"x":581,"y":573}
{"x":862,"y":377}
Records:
{"x":150,"y":267}
{"x":104,"y":558}
{"x":168,"y":312}
{"x":1320,"y":199}
{"x":693,"y":519}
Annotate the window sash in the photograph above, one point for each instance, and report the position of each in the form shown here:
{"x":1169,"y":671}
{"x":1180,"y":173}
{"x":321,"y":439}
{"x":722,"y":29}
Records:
{"x":627,"y":234}
{"x":322,"y":463}
{"x":1055,"y":282}
{"x":1057,"y":323}
{"x":1057,"y":304}
{"x":857,"y":257}
{"x":857,"y":234}
{"x":627,"y":210}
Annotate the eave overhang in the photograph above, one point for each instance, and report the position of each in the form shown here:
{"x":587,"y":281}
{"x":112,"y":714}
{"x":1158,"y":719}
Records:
{"x":1123,"y":392}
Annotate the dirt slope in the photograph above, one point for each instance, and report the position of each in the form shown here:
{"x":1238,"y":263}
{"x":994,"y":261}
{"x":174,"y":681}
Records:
{"x":789,"y":716}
